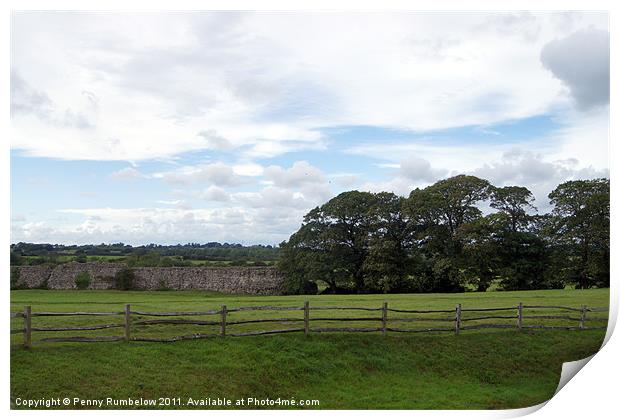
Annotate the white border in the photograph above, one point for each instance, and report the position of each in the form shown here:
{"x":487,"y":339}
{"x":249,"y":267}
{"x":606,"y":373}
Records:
{"x":590,"y":394}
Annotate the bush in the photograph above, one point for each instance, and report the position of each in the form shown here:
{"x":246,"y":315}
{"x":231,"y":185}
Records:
{"x":15,"y":277}
{"x":125,"y":279}
{"x":82,"y":280}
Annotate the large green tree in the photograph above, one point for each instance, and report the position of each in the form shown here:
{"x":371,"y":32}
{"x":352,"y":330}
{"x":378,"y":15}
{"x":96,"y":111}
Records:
{"x":437,"y":214}
{"x":439,"y":240}
{"x":580,"y":230}
{"x":386,"y":265}
{"x":333,"y":242}
{"x":514,"y":202}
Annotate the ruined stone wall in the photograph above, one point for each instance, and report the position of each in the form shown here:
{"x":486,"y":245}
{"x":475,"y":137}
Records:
{"x":32,"y":276}
{"x":245,"y":280}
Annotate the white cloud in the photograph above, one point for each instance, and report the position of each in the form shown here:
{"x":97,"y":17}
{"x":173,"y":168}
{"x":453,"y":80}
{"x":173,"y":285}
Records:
{"x":26,"y":100}
{"x":541,"y":176}
{"x":245,"y":87}
{"x":418,"y":169}
{"x":142,"y":225}
{"x":214,"y":141}
{"x":264,"y":83}
{"x":585,"y":136}
{"x":128,"y":173}
{"x":248,"y":169}
{"x":455,"y":155}
{"x":346,"y":179}
{"x":268,"y":215}
{"x":215,"y":193}
{"x":540,"y":173}
{"x":217,"y":173}
{"x":581,"y":62}
{"x":301,"y":173}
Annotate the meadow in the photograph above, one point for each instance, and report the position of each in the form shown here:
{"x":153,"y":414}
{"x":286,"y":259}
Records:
{"x":475,"y":369}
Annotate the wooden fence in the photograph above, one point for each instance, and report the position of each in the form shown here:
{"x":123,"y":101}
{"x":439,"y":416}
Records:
{"x":456,"y":318}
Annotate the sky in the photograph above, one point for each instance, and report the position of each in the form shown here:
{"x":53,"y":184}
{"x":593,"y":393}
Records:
{"x":230,"y":126}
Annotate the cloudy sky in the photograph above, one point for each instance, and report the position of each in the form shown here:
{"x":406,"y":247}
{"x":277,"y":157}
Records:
{"x":226,"y":126}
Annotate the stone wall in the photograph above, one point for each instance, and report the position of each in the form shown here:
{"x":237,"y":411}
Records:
{"x":31,"y":276}
{"x":246,"y":280}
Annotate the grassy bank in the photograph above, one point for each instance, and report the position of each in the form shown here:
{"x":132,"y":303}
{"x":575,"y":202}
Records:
{"x":477,"y":369}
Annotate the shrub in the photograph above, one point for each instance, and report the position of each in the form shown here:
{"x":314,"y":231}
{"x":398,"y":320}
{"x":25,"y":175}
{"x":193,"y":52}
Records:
{"x":125,"y":279}
{"x":82,"y":280}
{"x":15,"y":277}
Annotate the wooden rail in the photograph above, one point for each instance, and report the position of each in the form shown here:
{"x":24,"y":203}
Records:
{"x":132,"y":318}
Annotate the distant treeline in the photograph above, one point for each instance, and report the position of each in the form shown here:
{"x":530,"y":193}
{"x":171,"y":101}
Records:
{"x":153,"y":255}
{"x":438,"y":240}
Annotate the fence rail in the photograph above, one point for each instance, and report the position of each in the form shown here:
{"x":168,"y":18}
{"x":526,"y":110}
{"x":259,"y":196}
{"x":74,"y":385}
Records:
{"x":459,"y":323}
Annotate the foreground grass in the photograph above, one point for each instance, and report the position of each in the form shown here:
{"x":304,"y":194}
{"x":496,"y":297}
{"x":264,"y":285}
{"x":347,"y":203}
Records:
{"x":475,"y":370}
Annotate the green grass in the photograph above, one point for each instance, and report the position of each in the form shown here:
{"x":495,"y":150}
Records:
{"x":476,"y":370}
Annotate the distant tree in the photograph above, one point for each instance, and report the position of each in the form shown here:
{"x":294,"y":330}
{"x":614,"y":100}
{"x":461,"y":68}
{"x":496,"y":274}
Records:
{"x":80,"y":256}
{"x":16,"y":258}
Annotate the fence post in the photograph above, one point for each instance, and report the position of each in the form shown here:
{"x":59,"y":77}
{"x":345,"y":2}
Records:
{"x":306,"y":317}
{"x":520,"y":315}
{"x":457,"y":320}
{"x":384,"y":318}
{"x":27,"y":326}
{"x":223,"y":322}
{"x":127,"y":322}
{"x":582,"y":321}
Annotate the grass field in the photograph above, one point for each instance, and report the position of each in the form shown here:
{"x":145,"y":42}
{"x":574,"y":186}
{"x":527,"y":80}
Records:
{"x":476,"y":369}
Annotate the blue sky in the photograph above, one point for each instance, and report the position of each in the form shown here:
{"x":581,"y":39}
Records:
{"x":198,"y":127}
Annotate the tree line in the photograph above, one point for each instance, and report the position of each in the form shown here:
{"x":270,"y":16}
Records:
{"x":216,"y":253}
{"x":439,"y":240}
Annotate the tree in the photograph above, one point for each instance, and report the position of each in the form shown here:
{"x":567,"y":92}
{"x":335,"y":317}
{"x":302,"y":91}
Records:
{"x":579,"y":227}
{"x":480,"y":258}
{"x":300,"y":262}
{"x":16,"y":258}
{"x":333,"y":242}
{"x":438,"y":240}
{"x":456,"y":199}
{"x":80,"y":256}
{"x":437,"y":213}
{"x":514,"y":202}
{"x":522,"y":261}
{"x":386,"y":264}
